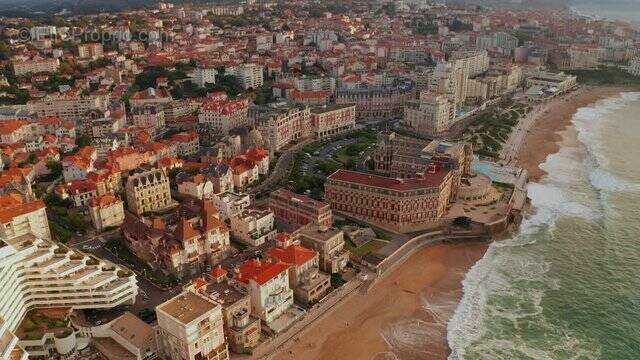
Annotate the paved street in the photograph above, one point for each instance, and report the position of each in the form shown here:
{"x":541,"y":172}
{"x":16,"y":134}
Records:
{"x":511,"y":147}
{"x":282,"y":168}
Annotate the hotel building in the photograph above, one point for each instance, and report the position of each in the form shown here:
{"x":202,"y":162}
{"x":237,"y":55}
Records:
{"x":332,"y":120}
{"x":220,"y":116}
{"x":432,"y":115}
{"x":282,"y":123}
{"x":400,"y":205}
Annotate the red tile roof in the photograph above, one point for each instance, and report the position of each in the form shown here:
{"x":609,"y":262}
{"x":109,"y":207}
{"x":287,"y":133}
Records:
{"x":11,"y":208}
{"x":294,"y":254}
{"x":260,"y":271}
{"x":429,"y":180}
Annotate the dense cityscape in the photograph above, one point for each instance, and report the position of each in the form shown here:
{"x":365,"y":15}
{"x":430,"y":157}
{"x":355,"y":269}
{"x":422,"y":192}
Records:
{"x":208,"y":181}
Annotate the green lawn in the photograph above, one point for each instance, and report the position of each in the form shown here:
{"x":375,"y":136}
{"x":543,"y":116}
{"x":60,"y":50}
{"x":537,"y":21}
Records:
{"x":365,"y":249}
{"x":605,"y":76}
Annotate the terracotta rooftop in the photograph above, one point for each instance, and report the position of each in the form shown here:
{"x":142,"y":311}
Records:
{"x":428,"y":180}
{"x":294,"y":254}
{"x":260,"y":271}
{"x":12,"y":208}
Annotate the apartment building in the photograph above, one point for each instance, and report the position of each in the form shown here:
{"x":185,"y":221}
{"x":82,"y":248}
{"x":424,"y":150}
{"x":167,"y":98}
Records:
{"x":293,"y":210}
{"x":106,"y":211}
{"x":70,"y":106}
{"x":281,"y":123}
{"x":220,"y":116}
{"x":36,"y":65}
{"x":333,"y":120}
{"x":90,"y":51}
{"x":21,"y":218}
{"x":196,"y":186}
{"x":229,"y":203}
{"x":308,"y":283}
{"x":328,"y":242}
{"x":241,"y":328}
{"x":253,"y":226}
{"x":148,"y":191}
{"x":401,"y":205}
{"x":187,"y":143}
{"x":377,"y":102}
{"x":267,"y":283}
{"x":432,"y":115}
{"x":191,"y":327}
{"x":203,"y":76}
{"x":37,"y":273}
{"x":250,"y":75}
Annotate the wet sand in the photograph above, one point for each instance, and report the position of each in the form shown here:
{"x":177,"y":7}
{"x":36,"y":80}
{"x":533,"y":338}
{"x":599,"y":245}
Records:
{"x":545,"y":136}
{"x":403,"y":316}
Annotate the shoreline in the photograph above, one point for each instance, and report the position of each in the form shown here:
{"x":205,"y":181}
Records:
{"x":405,"y":315}
{"x":545,"y":136}
{"x":409,"y":305}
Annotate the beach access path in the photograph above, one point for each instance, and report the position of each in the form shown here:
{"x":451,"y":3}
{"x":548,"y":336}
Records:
{"x":511,"y":148}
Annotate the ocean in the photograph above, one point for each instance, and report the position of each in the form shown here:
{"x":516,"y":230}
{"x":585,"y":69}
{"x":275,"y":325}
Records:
{"x":626,"y":10}
{"x":568,"y":285}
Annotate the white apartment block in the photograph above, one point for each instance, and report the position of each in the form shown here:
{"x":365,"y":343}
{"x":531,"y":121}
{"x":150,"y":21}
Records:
{"x":229,"y":203}
{"x":191,"y":328}
{"x":431,"y":115}
{"x":33,"y":66}
{"x":148,"y":191}
{"x":203,"y":76}
{"x":267,"y":283}
{"x":249,"y":75}
{"x":37,"y":273}
{"x":475,"y":62}
{"x":90,"y":51}
{"x":253,"y":226}
{"x":70,"y":107}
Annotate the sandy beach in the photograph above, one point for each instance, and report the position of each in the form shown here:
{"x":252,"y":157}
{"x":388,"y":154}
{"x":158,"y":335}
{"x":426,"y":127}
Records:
{"x":544,"y":137}
{"x":404,"y":316}
{"x":405,"y":313}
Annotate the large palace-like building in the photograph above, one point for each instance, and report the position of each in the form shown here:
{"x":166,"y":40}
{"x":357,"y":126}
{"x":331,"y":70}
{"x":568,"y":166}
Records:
{"x":401,"y":205}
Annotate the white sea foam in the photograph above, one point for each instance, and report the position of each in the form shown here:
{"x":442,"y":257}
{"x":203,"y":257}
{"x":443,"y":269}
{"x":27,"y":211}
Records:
{"x":564,"y":192}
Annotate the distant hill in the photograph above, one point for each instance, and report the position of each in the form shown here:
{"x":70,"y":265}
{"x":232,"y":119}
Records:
{"x":29,"y":8}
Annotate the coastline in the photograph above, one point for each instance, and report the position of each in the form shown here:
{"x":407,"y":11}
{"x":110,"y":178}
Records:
{"x":545,"y":136}
{"x":405,"y":315}
{"x":413,"y":301}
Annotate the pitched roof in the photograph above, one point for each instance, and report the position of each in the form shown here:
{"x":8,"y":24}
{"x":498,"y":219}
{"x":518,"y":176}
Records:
{"x":294,"y":254}
{"x":260,"y":272}
{"x":429,"y":180}
{"x":11,"y":208}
